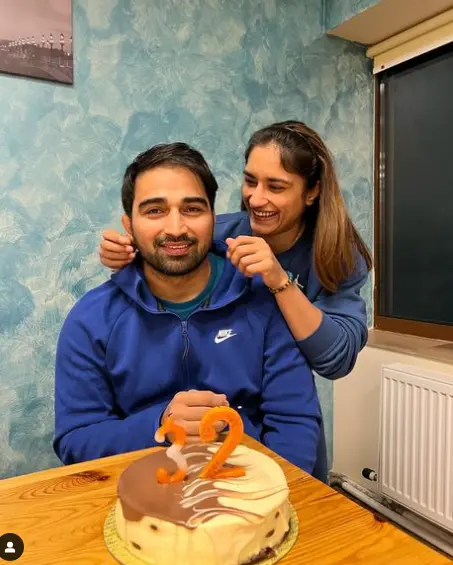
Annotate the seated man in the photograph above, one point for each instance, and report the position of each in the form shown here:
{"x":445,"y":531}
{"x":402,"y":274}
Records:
{"x":177,"y":331}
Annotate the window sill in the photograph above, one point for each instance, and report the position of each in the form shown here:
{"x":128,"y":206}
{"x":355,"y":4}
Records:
{"x":433,"y":349}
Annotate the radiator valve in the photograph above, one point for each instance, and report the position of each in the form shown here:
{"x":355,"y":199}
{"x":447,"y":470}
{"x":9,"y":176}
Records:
{"x":369,"y":474}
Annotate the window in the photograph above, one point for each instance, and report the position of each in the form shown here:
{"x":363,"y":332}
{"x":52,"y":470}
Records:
{"x":414,"y":196}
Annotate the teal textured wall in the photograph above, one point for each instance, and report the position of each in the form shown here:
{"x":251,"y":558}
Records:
{"x":205,"y":71}
{"x":339,"y":11}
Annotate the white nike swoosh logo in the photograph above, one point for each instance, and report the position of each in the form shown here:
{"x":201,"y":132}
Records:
{"x":223,"y":338}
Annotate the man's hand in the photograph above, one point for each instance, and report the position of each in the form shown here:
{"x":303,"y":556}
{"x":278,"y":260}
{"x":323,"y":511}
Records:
{"x":188,"y":408}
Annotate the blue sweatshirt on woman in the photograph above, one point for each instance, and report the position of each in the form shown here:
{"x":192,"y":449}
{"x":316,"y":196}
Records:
{"x":333,"y":348}
{"x":121,"y":358}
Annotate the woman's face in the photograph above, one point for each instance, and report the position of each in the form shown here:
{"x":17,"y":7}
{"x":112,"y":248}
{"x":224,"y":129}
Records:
{"x":274,"y":198}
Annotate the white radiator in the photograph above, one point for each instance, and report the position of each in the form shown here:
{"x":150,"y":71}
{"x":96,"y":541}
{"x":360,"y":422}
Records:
{"x":416,"y":441}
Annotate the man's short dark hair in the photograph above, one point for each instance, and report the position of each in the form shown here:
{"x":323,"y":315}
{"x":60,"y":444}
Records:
{"x":170,"y":155}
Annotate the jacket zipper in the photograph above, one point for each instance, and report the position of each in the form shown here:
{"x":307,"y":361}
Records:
{"x":185,"y":337}
{"x":185,"y":334}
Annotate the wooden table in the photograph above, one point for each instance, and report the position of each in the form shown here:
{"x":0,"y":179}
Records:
{"x":60,"y":514}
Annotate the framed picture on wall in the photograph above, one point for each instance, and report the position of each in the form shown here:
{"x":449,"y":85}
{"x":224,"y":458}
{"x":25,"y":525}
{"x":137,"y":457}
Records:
{"x":36,"y":39}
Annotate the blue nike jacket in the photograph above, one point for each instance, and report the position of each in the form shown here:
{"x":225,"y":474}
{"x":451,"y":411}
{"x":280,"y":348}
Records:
{"x":121,"y":359}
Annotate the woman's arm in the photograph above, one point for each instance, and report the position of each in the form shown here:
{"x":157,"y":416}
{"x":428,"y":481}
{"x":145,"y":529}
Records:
{"x":301,"y":316}
{"x":332,"y":330}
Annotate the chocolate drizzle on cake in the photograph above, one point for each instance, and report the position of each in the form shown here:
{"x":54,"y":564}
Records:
{"x":188,"y":503}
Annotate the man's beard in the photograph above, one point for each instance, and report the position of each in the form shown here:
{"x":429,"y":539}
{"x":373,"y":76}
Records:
{"x":173,"y":266}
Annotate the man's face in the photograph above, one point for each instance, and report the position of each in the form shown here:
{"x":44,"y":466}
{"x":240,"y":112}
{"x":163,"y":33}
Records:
{"x":172,"y":223}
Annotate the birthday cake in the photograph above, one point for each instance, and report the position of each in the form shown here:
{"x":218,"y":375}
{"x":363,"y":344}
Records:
{"x":212,"y":502}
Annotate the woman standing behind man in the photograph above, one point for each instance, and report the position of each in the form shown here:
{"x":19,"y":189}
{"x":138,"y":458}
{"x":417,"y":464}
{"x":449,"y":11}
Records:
{"x":295,"y":232}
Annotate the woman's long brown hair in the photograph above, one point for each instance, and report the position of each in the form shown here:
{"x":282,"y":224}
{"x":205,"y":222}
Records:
{"x":336,"y":240}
